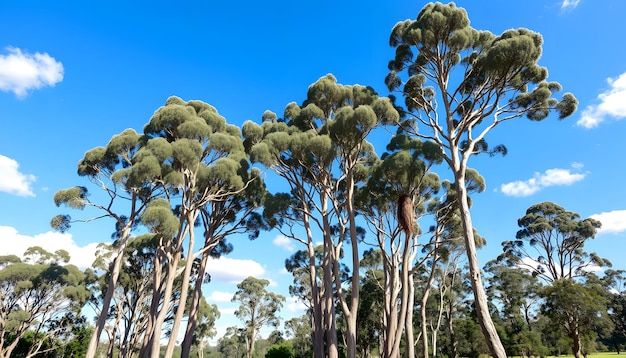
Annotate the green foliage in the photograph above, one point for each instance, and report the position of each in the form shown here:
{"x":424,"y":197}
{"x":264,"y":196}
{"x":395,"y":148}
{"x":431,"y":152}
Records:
{"x":578,"y":308}
{"x":42,"y":295}
{"x":474,"y":74}
{"x":160,"y":219}
{"x":74,"y":197}
{"x":257,"y":304}
{"x":559,"y":237}
{"x":299,"y":328}
{"x":280,"y":350}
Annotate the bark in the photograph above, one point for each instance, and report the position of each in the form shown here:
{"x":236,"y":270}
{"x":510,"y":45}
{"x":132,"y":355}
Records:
{"x":316,"y":322}
{"x":577,"y":348}
{"x":193,"y":309}
{"x":480,"y":298}
{"x":351,"y":316}
{"x":156,"y":297}
{"x":423,"y":326}
{"x":330,"y":329}
{"x":410,"y":339}
{"x":169,"y":350}
{"x":155,"y":345}
{"x":106,"y":303}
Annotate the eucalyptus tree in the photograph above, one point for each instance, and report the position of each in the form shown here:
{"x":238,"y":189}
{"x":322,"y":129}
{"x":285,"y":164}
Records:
{"x":299,"y":333}
{"x":614,"y":281}
{"x":516,"y":293}
{"x":39,"y":296}
{"x":234,"y":214}
{"x":131,"y":300}
{"x":458,"y":84}
{"x":128,"y":184}
{"x":205,"y":326}
{"x":397,"y":194}
{"x":580,"y":308}
{"x":550,"y":244}
{"x":444,"y":276}
{"x":320,"y":148}
{"x":207,"y":176}
{"x":258,"y":307}
{"x":294,"y":212}
{"x":371,"y":307}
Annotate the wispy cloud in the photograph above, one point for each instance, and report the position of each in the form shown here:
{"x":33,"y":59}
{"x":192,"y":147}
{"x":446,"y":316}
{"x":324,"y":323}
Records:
{"x":569,"y":4}
{"x":294,"y":305}
{"x":612,"y":104}
{"x":613,"y":222}
{"x":550,"y":177}
{"x":14,"y":243}
{"x":230,"y":270}
{"x":220,"y":296}
{"x":21,"y":72}
{"x":284,"y":242}
{"x":12,"y":181}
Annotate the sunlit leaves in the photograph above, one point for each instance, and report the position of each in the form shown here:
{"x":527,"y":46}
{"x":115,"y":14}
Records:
{"x":73,"y":197}
{"x":495,"y":78}
{"x":160,"y":219}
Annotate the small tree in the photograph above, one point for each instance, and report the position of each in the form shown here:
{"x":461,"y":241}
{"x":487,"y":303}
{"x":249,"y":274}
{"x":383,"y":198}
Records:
{"x":41,"y":299}
{"x":280,"y":350}
{"x":550,"y":244}
{"x":258,"y":308}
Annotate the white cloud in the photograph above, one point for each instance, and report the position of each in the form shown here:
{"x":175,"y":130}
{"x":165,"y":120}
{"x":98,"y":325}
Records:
{"x":220,"y":296}
{"x":13,"y":243}
{"x":612,"y":104}
{"x":567,"y":4}
{"x":613,"y":222}
{"x":284,"y":242}
{"x":550,"y":177}
{"x":294,"y":305}
{"x":12,"y":181}
{"x":230,"y":270}
{"x":21,"y":72}
{"x":227,"y":311}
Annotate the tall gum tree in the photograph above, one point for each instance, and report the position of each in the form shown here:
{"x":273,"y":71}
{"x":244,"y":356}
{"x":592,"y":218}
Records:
{"x":285,"y":149}
{"x":401,"y":175}
{"x":122,"y":178}
{"x":331,"y":127}
{"x":208,"y":168}
{"x":458,"y":84}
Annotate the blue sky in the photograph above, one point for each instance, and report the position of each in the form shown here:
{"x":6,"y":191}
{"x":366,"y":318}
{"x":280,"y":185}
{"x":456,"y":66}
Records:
{"x":74,"y":73}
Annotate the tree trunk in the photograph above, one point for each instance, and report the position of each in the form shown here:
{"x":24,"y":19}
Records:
{"x":480,"y":298}
{"x":169,"y":350}
{"x":154,"y":304}
{"x":410,"y":338}
{"x":106,"y":303}
{"x":330,"y":329}
{"x":390,"y":319}
{"x":316,"y":321}
{"x":423,"y":326}
{"x":355,"y":282}
{"x":193,"y":309}
{"x":317,"y":324}
{"x":451,"y":333}
{"x":155,"y":346}
{"x":577,"y":348}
